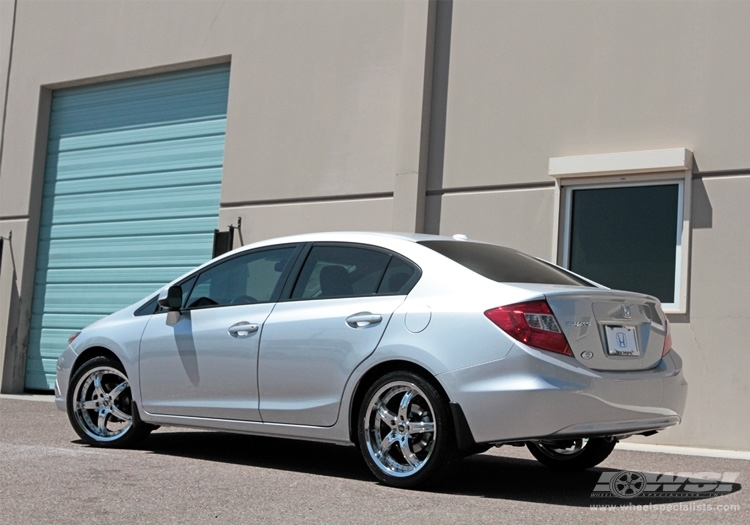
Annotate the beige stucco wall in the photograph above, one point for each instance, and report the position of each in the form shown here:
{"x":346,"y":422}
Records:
{"x":712,"y":337}
{"x":535,"y":80}
{"x":320,"y":95}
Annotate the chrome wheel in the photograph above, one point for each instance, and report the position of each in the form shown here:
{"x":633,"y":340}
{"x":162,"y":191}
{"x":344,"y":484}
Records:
{"x":400,"y":430}
{"x":103,"y":403}
{"x":406,"y":432}
{"x":101,"y":407}
{"x":563,"y":448}
{"x":572,"y":454}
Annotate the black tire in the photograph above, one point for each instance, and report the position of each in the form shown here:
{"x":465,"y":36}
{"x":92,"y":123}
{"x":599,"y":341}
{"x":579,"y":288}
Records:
{"x":100,"y":405}
{"x":573,"y":454}
{"x":406,"y":433}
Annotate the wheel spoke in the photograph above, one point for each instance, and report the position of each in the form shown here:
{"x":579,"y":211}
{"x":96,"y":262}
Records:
{"x":119,"y":389}
{"x":421,"y":427}
{"x":102,"y":422}
{"x":409,"y":454}
{"x":98,"y":389}
{"x":388,"y":442}
{"x":88,"y":405}
{"x":403,"y":407}
{"x":385,"y":415}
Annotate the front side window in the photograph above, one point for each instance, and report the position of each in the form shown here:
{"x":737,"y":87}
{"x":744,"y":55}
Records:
{"x":627,"y":237}
{"x":246,"y":279}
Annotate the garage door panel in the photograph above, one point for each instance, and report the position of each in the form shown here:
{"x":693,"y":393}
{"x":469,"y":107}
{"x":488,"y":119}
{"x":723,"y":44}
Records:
{"x":200,"y":152}
{"x":121,"y":137}
{"x":146,"y":226}
{"x":129,"y":252}
{"x":154,"y":203}
{"x":159,"y":100}
{"x":130,"y":202}
{"x":137,"y":180}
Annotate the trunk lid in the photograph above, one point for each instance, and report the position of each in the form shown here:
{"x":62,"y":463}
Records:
{"x":611,"y":330}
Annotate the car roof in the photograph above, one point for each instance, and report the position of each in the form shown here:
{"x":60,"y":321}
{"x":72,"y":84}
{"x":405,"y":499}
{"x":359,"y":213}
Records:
{"x":351,"y":236}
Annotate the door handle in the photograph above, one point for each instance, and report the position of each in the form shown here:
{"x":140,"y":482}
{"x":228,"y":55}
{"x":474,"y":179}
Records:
{"x":242,"y":329}
{"x":363,"y":319}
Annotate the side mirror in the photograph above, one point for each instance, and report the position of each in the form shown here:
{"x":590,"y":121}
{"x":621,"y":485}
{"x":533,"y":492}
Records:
{"x":172,"y":300}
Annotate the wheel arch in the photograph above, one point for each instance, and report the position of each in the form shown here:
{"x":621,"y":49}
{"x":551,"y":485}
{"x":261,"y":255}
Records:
{"x":90,"y":353}
{"x":463,"y":432}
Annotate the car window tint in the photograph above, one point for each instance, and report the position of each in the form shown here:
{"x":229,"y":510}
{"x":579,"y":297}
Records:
{"x":149,"y":307}
{"x":246,"y":279}
{"x":399,"y":278}
{"x":502,"y":264}
{"x":340,"y":271}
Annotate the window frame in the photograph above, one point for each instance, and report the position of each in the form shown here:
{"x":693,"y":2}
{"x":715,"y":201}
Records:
{"x":652,"y":168}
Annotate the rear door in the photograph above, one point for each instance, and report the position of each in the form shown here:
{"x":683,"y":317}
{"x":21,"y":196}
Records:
{"x":337,"y":314}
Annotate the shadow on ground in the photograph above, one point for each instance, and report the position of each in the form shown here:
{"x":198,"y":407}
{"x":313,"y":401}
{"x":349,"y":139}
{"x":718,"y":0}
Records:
{"x":483,"y":475}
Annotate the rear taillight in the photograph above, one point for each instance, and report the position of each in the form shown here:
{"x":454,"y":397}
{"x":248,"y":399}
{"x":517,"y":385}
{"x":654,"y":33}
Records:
{"x":667,"y":339}
{"x":532,"y":323}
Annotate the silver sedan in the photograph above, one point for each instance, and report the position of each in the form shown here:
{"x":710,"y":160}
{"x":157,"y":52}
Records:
{"x":418,"y":349}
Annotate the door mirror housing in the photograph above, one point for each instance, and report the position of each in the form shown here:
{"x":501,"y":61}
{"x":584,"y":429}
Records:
{"x":171,"y":299}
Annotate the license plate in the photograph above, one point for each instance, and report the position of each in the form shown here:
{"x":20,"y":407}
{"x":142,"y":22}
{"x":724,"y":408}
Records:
{"x":621,"y":340}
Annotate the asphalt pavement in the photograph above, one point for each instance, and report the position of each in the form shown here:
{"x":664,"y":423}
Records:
{"x":47,"y":475}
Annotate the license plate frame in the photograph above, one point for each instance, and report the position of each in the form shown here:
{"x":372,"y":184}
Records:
{"x":621,"y":340}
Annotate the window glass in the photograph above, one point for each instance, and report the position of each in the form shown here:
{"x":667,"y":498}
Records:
{"x":340,"y":271}
{"x":503,"y":265}
{"x":246,"y":279}
{"x":399,"y":278}
{"x":626,"y":237}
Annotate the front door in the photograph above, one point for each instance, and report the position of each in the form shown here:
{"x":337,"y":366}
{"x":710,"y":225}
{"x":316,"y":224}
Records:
{"x":205,"y":363}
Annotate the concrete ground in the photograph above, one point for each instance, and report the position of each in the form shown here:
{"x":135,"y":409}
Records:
{"x":183,"y":476}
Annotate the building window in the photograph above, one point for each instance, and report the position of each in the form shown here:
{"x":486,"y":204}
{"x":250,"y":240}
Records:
{"x":624,"y":221}
{"x":626,"y":237}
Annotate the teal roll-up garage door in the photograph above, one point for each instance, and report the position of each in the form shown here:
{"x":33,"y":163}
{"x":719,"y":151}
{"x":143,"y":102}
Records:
{"x":131,"y":199}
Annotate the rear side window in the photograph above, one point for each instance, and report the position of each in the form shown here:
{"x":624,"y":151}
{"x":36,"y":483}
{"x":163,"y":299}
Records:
{"x":503,"y":265}
{"x":353,"y":271}
{"x":340,"y":271}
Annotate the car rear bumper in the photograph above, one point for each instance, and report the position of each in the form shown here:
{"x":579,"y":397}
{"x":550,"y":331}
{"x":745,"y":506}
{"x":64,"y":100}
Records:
{"x":532,"y":394}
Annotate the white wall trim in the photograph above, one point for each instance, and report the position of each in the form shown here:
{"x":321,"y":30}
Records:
{"x":658,"y":160}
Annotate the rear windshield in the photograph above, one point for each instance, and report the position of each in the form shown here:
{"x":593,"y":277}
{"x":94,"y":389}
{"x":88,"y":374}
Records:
{"x":503,"y":265}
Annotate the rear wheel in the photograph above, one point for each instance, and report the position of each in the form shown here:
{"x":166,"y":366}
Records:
{"x":100,"y":405}
{"x":572,"y":454}
{"x":406,"y":433}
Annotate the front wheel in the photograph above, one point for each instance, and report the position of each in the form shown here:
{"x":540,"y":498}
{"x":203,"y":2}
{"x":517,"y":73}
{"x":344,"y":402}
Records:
{"x":100,"y":405}
{"x":406,"y":433}
{"x":572,"y":454}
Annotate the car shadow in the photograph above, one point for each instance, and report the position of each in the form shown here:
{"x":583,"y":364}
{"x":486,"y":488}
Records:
{"x":527,"y":480}
{"x":482,"y":475}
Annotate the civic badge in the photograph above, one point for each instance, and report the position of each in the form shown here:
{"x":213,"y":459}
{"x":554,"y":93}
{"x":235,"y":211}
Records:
{"x":625,"y":309}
